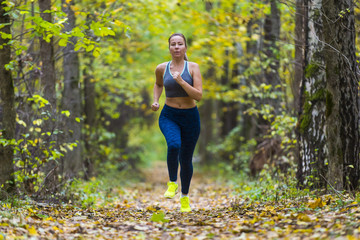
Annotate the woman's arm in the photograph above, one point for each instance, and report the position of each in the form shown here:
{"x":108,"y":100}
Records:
{"x":158,"y":86}
{"x":194,"y":91}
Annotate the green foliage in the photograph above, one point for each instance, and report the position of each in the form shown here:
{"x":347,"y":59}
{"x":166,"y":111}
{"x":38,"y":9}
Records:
{"x":159,"y":217}
{"x":85,"y":193}
{"x":271,"y":186}
{"x":36,"y":146}
{"x":311,"y":70}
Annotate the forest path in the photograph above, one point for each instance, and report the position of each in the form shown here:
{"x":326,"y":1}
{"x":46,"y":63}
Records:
{"x":139,"y":211}
{"x":210,"y":217}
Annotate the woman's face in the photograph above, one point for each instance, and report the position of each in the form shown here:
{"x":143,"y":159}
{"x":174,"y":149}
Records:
{"x":177,"y":47}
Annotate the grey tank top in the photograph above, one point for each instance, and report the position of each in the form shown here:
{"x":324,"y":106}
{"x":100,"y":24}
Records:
{"x":172,"y":88}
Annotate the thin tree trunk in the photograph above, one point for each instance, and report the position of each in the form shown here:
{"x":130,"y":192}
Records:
{"x":206,"y":111}
{"x":299,"y":68}
{"x":71,"y":96}
{"x":90,"y":116}
{"x":207,"y":126}
{"x":300,"y":40}
{"x":230,"y":109}
{"x":342,"y":110}
{"x":313,"y":155}
{"x":47,"y":58}
{"x":249,"y":122}
{"x":271,"y":49}
{"x":7,"y":102}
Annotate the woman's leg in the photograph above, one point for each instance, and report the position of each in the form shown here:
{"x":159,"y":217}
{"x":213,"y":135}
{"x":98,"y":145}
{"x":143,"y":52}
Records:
{"x":189,"y":136}
{"x":171,"y":132}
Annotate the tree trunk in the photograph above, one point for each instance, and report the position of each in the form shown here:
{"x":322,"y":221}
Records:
{"x":89,"y":108}
{"x":271,"y":36}
{"x":230,"y":109}
{"x":300,"y":39}
{"x":299,"y":68}
{"x":249,"y":122}
{"x":313,"y":155}
{"x":90,"y":115}
{"x":207,"y":125}
{"x":47,"y":58}
{"x":206,"y":110}
{"x":8,"y":114}
{"x":342,"y":110}
{"x":271,"y":50}
{"x":71,"y":96}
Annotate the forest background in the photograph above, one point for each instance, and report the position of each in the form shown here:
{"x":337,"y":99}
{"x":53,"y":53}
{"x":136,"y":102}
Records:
{"x":77,"y":80}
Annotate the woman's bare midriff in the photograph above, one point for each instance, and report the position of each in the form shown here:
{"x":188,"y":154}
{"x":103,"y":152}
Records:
{"x":180,"y":102}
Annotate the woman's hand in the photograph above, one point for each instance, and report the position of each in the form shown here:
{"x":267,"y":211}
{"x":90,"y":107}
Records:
{"x":155,"y":106}
{"x":177,"y":77}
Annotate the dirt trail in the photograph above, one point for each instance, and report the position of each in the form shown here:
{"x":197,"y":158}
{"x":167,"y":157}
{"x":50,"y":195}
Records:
{"x":139,"y":211}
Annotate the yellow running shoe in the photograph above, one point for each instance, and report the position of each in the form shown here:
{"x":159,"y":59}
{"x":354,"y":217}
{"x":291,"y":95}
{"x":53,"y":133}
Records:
{"x":172,"y":189}
{"x":185,"y":204}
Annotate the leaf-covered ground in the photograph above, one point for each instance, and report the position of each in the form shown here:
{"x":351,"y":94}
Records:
{"x":140,"y":212}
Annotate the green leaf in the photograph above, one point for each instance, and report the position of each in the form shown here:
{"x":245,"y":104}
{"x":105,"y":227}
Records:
{"x":96,"y":52}
{"x":78,"y":119}
{"x":67,"y":113}
{"x":63,"y":42}
{"x":37,"y":122}
{"x":90,"y":47}
{"x":21,"y":122}
{"x":158,"y":217}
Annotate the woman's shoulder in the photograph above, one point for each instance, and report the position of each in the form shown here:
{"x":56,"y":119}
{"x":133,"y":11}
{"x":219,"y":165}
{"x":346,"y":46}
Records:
{"x":193,"y":64}
{"x":161,"y":67}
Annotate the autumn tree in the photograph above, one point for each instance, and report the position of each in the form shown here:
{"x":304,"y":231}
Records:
{"x":206,"y":111}
{"x":312,"y":141}
{"x":7,"y":103}
{"x":48,"y":78}
{"x":328,"y":121}
{"x":342,"y":95}
{"x":71,"y":100}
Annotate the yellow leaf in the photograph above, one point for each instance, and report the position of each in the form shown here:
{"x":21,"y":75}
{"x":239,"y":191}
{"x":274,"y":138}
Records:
{"x":32,"y":231}
{"x":129,"y":59}
{"x":317,"y":203}
{"x":21,"y":122}
{"x":63,"y":149}
{"x":96,"y":52}
{"x":151,"y":208}
{"x":350,"y":237}
{"x":117,"y":10}
{"x":90,"y":48}
{"x":62,"y":42}
{"x":303,"y":217}
{"x":67,"y":113}
{"x":38,"y":129}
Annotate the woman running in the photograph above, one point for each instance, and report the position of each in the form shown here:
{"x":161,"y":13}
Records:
{"x":179,"y":119}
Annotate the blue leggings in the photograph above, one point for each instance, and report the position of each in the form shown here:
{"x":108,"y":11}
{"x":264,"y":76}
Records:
{"x":181,"y":128}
